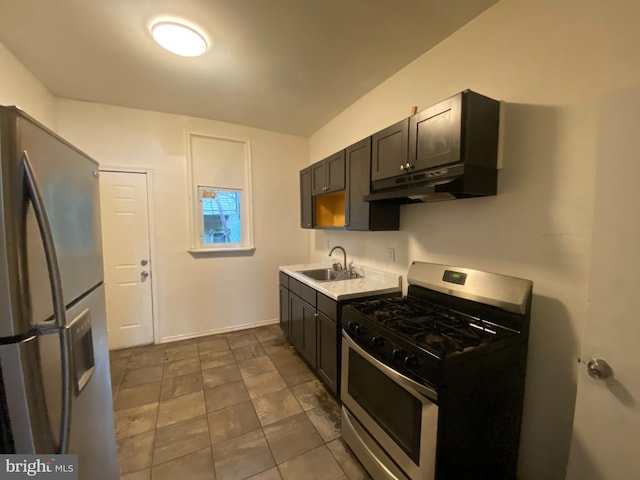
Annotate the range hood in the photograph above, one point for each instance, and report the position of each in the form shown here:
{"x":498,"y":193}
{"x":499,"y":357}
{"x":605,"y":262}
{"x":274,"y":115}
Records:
{"x":442,"y":183}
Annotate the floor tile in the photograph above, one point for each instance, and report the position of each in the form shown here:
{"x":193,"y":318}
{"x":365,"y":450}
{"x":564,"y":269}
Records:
{"x":246,"y":352}
{"x":194,"y":466}
{"x":146,"y":359}
{"x":220,"y":375}
{"x":256,"y":366}
{"x":275,"y":345}
{"x":137,"y":396}
{"x":180,"y":439}
{"x":228,"y":406}
{"x":136,"y":453}
{"x":311,"y":394}
{"x":181,"y":408}
{"x":276,"y":406}
{"x":271,"y":474}
{"x":263,"y":384}
{"x":181,"y":367}
{"x":133,"y":421}
{"x":269,"y":332}
{"x":242,"y":457}
{"x":138,"y":376}
{"x":317,"y":464}
{"x":216,"y":359}
{"x":142,"y":475}
{"x":182,"y":352}
{"x":349,"y":464}
{"x":181,"y":385}
{"x":327,"y":420}
{"x":213,"y":344}
{"x":232,"y":422}
{"x":291,"y":437}
{"x":226,"y":395}
{"x":241,"y":338}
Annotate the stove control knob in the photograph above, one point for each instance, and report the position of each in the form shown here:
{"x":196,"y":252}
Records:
{"x":399,"y":354}
{"x":410,"y":361}
{"x":352,"y":326}
{"x":359,"y":330}
{"x":377,"y":341}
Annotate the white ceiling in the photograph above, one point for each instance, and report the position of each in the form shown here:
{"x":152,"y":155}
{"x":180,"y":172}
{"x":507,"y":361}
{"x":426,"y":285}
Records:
{"x":283,"y":65}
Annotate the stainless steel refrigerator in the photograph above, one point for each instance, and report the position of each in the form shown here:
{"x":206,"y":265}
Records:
{"x":55,"y":387}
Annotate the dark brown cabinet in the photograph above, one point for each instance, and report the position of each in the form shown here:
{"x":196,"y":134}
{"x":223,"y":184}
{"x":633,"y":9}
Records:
{"x":328,"y":175}
{"x":302,"y":316}
{"x":312,"y":328}
{"x":389,"y":149}
{"x":306,"y":199}
{"x":361,"y":215}
{"x":328,"y":351}
{"x":463,"y":128}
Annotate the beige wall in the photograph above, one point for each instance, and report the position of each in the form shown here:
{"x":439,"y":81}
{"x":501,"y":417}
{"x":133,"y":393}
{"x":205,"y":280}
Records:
{"x":203,"y":292}
{"x":19,"y":87}
{"x":555,"y":64}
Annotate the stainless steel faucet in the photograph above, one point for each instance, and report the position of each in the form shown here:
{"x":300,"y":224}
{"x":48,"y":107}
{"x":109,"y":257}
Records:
{"x":340,"y":267}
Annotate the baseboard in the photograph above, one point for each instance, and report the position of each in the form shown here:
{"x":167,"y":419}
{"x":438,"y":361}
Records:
{"x":234,"y":328}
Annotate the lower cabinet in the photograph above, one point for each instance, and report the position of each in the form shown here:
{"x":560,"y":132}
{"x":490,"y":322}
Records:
{"x":309,"y":320}
{"x":328,"y":339}
{"x":303,"y":328}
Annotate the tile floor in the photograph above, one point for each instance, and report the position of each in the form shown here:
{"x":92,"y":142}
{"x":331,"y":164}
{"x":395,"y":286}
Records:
{"x":233,"y":406}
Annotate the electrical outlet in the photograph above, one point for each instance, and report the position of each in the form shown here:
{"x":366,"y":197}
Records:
{"x":391,"y":254}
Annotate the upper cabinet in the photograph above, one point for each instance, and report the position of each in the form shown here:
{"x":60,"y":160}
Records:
{"x":306,"y":200}
{"x":446,"y":151}
{"x":328,"y":175}
{"x":389,"y":150}
{"x":361,"y":215}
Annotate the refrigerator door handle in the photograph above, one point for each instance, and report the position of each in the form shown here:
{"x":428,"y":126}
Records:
{"x":59,"y":321}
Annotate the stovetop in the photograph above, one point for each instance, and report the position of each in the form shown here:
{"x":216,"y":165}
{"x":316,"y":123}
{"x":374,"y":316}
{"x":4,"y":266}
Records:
{"x":435,"y":328}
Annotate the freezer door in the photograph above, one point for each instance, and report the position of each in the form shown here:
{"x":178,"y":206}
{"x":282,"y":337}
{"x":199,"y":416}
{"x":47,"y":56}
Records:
{"x":92,"y":434}
{"x":32,"y":377}
{"x":69,"y":186}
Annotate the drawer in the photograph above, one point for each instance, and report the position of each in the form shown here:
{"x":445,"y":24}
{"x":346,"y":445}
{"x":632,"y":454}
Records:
{"x":328,"y":306}
{"x":308,"y":294}
{"x":284,"y":279}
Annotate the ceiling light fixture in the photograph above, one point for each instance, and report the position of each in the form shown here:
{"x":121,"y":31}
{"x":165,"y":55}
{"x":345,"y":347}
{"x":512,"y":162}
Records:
{"x":179,"y":37}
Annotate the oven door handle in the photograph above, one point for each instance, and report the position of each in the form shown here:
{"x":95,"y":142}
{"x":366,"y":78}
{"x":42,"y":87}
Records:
{"x":400,"y":379}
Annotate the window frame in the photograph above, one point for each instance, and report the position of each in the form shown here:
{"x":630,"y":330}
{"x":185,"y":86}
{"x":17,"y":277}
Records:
{"x":196,"y":216}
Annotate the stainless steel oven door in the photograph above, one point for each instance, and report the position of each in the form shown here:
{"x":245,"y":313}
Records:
{"x":396,"y":411}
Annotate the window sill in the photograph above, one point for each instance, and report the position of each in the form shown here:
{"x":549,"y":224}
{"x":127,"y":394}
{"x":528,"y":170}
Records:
{"x":223,"y":250}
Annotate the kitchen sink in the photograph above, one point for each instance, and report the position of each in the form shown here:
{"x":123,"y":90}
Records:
{"x":329,"y":275}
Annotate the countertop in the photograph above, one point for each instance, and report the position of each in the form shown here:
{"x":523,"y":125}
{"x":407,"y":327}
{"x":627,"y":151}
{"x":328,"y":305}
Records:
{"x":372,"y":282}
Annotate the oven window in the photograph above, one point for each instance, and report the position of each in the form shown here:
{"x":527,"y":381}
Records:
{"x":394,"y":409}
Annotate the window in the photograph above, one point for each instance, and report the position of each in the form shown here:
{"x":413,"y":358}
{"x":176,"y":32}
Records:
{"x":221,"y":214}
{"x":221,"y":179}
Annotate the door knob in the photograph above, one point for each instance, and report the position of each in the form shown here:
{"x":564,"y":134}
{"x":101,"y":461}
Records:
{"x":144,"y":274}
{"x":143,"y":262}
{"x":598,"y":369}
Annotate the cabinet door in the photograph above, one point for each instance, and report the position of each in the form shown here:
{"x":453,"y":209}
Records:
{"x":318,"y":178}
{"x":328,"y":351}
{"x":303,"y":328}
{"x":284,"y":310}
{"x":358,"y":158}
{"x":296,"y":326}
{"x":306,"y":199}
{"x":389,"y":148}
{"x":435,"y":134}
{"x":334,"y":166}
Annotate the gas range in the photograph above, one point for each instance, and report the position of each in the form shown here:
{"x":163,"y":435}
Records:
{"x":450,"y":355}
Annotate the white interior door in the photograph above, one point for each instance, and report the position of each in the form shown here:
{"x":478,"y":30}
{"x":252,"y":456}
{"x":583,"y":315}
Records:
{"x":606,"y":434}
{"x":127,"y":266}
